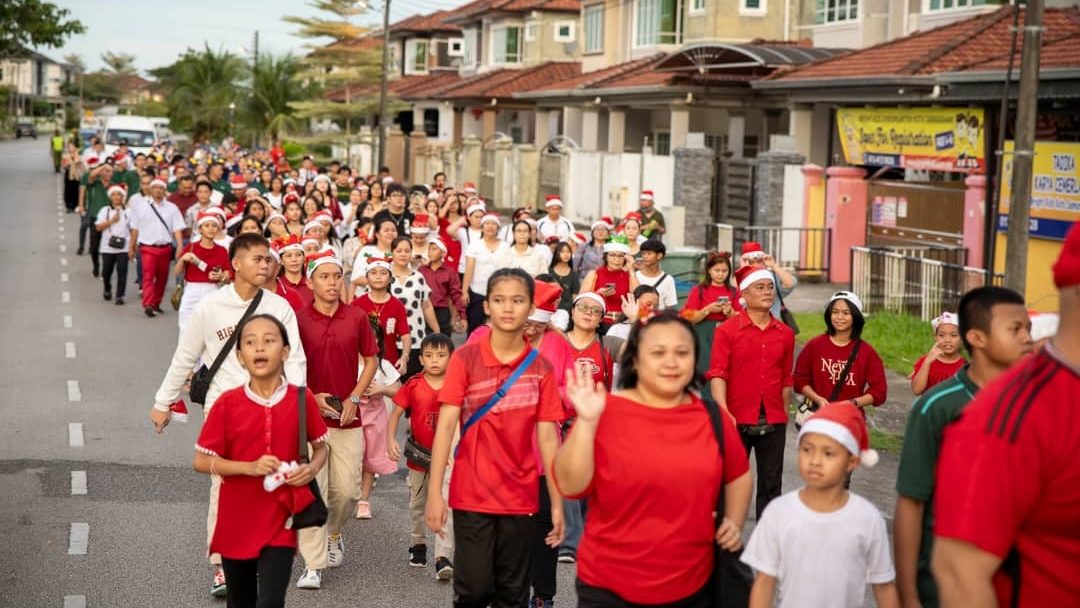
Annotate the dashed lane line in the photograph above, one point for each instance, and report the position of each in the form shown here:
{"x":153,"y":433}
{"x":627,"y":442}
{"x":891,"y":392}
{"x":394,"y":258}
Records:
{"x":75,"y":435}
{"x":78,"y":483}
{"x":79,"y":538}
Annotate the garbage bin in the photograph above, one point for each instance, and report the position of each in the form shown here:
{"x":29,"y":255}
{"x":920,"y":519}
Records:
{"x":684,"y":264}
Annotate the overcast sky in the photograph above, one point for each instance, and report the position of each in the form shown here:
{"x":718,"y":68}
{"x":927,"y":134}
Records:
{"x":156,"y":33}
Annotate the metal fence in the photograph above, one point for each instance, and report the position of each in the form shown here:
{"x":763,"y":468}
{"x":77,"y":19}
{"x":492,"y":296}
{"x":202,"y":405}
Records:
{"x":805,"y":250}
{"x":922,"y":287}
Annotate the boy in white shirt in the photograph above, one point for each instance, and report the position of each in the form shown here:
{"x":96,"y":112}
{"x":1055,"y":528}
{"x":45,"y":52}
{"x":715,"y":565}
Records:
{"x":819,"y":546}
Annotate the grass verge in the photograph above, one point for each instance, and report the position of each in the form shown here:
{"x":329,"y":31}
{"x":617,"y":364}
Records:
{"x":899,"y":339}
{"x":886,"y":442}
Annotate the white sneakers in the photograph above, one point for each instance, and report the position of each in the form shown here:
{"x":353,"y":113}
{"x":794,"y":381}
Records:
{"x":310,"y":579}
{"x":335,"y":550}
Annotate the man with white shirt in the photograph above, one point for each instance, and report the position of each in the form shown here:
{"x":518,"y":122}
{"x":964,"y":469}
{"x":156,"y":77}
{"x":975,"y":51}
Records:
{"x":208,"y":331}
{"x":553,"y":224}
{"x":650,"y":273}
{"x":157,"y":230}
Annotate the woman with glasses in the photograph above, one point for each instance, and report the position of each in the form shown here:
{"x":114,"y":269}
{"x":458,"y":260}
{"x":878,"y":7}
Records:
{"x":588,"y":349}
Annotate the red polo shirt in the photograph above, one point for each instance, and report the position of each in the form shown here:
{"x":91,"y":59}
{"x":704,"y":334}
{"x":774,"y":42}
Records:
{"x":291,"y":295}
{"x":301,"y":288}
{"x":756,"y":363}
{"x":333,"y":345}
{"x":1009,"y":479}
{"x":495,"y":470}
{"x":422,"y":402}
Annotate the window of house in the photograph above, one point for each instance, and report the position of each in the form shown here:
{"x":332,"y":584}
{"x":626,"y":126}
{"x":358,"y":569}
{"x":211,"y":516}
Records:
{"x":836,"y":11}
{"x":564,"y":31}
{"x":697,"y":6}
{"x":455,"y":47}
{"x":948,"y":5}
{"x":431,"y":122}
{"x":395,"y":59}
{"x":657,"y":22}
{"x":469,"y":51}
{"x":661,"y":143}
{"x":594,"y":28}
{"x":506,"y":44}
{"x":752,"y":7}
{"x":416,"y":61}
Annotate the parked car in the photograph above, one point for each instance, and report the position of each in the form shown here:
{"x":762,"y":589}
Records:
{"x":137,"y":131}
{"x":25,"y":128}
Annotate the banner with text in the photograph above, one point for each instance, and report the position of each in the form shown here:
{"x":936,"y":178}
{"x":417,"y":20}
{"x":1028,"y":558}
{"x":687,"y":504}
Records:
{"x":932,"y":139}
{"x":1055,"y":189}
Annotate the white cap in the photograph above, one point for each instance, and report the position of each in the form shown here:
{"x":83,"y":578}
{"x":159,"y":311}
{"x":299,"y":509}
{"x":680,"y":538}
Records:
{"x":595,"y":297}
{"x":854,"y":299}
{"x":949,"y":318}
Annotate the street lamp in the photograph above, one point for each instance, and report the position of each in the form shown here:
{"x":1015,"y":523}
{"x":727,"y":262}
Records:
{"x":232,"y":116}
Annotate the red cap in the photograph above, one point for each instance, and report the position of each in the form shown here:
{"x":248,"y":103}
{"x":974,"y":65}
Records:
{"x":1067,"y":266}
{"x":546,"y":300}
{"x":750,"y":247}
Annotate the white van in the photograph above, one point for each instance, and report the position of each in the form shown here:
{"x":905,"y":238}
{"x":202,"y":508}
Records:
{"x":138,"y":131}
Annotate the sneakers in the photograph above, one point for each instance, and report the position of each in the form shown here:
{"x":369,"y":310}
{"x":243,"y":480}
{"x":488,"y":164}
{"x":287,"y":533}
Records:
{"x":363,"y":509}
{"x":567,"y":558}
{"x":107,"y":295}
{"x":418,"y":556}
{"x":444,"y":570}
{"x":335,"y":550}
{"x":217,"y":589}
{"x":310,"y":579}
{"x":149,"y":312}
{"x":119,"y":301}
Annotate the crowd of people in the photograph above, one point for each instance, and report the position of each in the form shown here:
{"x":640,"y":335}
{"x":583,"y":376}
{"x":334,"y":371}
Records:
{"x":582,"y":414}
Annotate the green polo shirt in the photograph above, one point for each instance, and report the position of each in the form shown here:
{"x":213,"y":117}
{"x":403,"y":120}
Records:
{"x":659,"y":217}
{"x":221,"y":186}
{"x":932,"y":412}
{"x":97,"y":195}
{"x":128,"y":178}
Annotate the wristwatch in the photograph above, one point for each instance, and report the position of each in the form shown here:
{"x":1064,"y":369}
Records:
{"x":355,"y":400}
{"x":854,"y":402}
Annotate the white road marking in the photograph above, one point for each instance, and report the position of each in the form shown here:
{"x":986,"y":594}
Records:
{"x":65,"y":297}
{"x":78,"y":483}
{"x":75,"y":435}
{"x":74,"y":394}
{"x":63,"y":277}
{"x":74,"y":601}
{"x":63,"y":248}
{"x":60,"y":236}
{"x":61,"y":231}
{"x":61,"y":219}
{"x":79,"y":539}
{"x":69,"y":350}
{"x":63,"y":261}
{"x":67,"y":322}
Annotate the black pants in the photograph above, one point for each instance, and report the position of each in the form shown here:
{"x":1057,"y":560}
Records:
{"x":475,"y":311}
{"x":71,"y":194}
{"x":260,"y":582}
{"x":491,"y":559}
{"x":545,"y":559}
{"x":86,"y":226}
{"x":769,"y":455}
{"x":595,"y":597}
{"x":442,"y":315}
{"x":95,"y":240}
{"x":120,"y":262}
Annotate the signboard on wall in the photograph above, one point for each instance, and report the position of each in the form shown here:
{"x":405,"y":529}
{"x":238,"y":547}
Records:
{"x":933,"y":139}
{"x":1055,"y":189}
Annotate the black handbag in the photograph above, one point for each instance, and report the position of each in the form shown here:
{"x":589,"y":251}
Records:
{"x":315,"y":514}
{"x":731,"y":579}
{"x":416,"y":453}
{"x":200,"y":381}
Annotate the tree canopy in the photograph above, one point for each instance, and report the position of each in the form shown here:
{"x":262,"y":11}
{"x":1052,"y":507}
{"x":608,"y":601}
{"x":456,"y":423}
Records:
{"x":25,"y":24}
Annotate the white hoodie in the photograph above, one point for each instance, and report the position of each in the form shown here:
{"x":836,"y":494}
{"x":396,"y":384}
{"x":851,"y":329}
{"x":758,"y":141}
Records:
{"x":210,"y":325}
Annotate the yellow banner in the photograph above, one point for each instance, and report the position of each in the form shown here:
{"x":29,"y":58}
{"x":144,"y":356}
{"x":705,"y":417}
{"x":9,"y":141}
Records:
{"x":1055,"y":188}
{"x":935,"y":139}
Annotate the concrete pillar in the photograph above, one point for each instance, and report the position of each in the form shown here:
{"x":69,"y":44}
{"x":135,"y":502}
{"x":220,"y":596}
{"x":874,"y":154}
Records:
{"x":395,"y":152}
{"x":489,"y":123}
{"x":694,"y":170}
{"x":845,"y":215}
{"x":590,"y":128}
{"x":616,"y":130}
{"x":975,"y":219}
{"x":505,"y":174}
{"x":680,"y":126}
{"x":769,"y":186}
{"x":417,"y":165}
{"x":459,"y":123}
{"x":527,"y":160}
{"x":470,"y":160}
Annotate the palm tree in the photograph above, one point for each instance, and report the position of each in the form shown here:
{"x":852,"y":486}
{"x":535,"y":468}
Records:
{"x":203,"y":84}
{"x":268,"y":111}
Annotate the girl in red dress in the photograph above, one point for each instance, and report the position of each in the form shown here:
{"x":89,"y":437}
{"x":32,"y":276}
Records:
{"x":248,"y":434}
{"x":612,"y":280}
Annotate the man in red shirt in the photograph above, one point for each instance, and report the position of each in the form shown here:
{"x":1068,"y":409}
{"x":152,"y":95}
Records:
{"x":445,"y":287}
{"x":337,"y":336}
{"x":750,"y":377}
{"x":184,"y":197}
{"x":1008,"y":486}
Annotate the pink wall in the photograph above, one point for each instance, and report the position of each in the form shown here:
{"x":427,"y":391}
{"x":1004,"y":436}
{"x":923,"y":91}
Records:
{"x":975,"y":219}
{"x":845,"y":215}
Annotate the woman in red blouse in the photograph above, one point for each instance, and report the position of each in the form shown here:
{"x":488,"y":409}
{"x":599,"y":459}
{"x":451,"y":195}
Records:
{"x":818,"y":368}
{"x":711,"y":303}
{"x":649,"y":535}
{"x":612,"y":280}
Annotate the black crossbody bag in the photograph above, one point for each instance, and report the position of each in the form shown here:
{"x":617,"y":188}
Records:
{"x":315,"y":514}
{"x":200,"y":382}
{"x":808,"y":407}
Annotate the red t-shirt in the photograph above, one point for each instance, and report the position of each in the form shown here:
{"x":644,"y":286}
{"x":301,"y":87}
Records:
{"x":594,"y":358}
{"x":1009,"y":479}
{"x":700,"y":297}
{"x":306,"y":295}
{"x":333,"y":346}
{"x":392,"y":319}
{"x":621,"y":280}
{"x":756,"y":363}
{"x":183,"y":202}
{"x":821,"y":361}
{"x":291,"y":295}
{"x":495,"y":471}
{"x":422,"y":401}
{"x":453,"y":246}
{"x":939,"y":370}
{"x":238,"y":428}
{"x":649,"y":532}
{"x":214,"y":256}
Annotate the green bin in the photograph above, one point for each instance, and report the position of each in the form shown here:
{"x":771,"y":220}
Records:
{"x":684,"y":263}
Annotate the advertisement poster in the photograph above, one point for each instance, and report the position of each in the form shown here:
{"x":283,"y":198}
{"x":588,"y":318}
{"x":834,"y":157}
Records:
{"x":930,"y":139}
{"x":1055,"y":189}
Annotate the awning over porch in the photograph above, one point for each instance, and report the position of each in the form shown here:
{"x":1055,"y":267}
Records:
{"x":754,"y":59}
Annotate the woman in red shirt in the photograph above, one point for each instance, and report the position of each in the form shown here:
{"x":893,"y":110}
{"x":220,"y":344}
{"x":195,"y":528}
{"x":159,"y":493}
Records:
{"x":586,"y":347}
{"x":204,"y":264}
{"x":612,"y":280}
{"x":822,"y":360}
{"x":712,"y":302}
{"x":649,"y":536}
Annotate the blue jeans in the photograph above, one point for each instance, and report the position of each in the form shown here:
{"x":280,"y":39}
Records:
{"x":574,"y":514}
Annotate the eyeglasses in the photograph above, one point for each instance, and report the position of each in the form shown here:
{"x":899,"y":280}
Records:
{"x":589,"y":310}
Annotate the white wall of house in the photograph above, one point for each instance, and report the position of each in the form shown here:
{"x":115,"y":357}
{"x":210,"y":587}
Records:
{"x":471,"y":125}
{"x":19,"y":74}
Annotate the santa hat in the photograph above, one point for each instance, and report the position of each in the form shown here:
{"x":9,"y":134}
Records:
{"x":252,"y":189}
{"x":489,"y":217}
{"x":633,"y":215}
{"x":323,"y":257}
{"x":93,"y":162}
{"x":275,"y":255}
{"x":121,"y":188}
{"x":362,"y":187}
{"x":1067,"y":266}
{"x":275,"y":216}
{"x":579,"y":238}
{"x":469,"y":188}
{"x":945,"y":318}
{"x":157,"y":181}
{"x":373,"y":263}
{"x":237,"y":181}
{"x":560,"y":320}
{"x":218,"y":211}
{"x":646,"y":195}
{"x":233,"y":220}
{"x":752,"y":249}
{"x":178,"y":411}
{"x":605,"y":221}
{"x":322,"y":177}
{"x":1043,"y":325}
{"x":323,"y":215}
{"x":546,"y":298}
{"x":551,"y":240}
{"x":617,"y":244}
{"x":290,"y":197}
{"x":420,"y":224}
{"x":207,"y":216}
{"x":475,"y":205}
{"x":438,"y":243}
{"x":595,"y":297}
{"x":846,"y":424}
{"x":387,"y":180}
{"x":291,"y":242}
{"x":312,"y":225}
{"x":553,"y":200}
{"x":851,"y":298}
{"x":120,"y":158}
{"x":747,"y":276}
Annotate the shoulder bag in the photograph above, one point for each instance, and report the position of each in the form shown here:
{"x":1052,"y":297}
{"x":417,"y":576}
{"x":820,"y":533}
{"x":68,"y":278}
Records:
{"x":808,"y":407}
{"x":116,"y":242}
{"x":785,"y":314}
{"x":731,"y":579}
{"x":315,"y":514}
{"x":499,"y":394}
{"x":200,"y":382}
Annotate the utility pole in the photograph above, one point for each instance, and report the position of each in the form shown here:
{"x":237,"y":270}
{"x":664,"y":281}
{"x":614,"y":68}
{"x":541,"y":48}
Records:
{"x":254,"y":77}
{"x":385,"y":78}
{"x":1024,"y":151}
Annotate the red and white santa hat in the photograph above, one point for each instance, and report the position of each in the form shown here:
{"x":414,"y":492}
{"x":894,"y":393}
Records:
{"x":752,"y":249}
{"x":207,"y":216}
{"x":592,"y":295}
{"x":373,"y":263}
{"x":121,"y":188}
{"x":553,"y":200}
{"x":237,"y":181}
{"x":120,"y":158}
{"x":233,"y":219}
{"x":579,"y":238}
{"x":290,"y":197}
{"x":310,"y":240}
{"x":157,"y":181}
{"x":252,"y":189}
{"x":436,"y":241}
{"x":605,"y":222}
{"x":633,"y":215}
{"x":421,"y":224}
{"x":93,"y":162}
{"x":323,"y":215}
{"x":218,"y":211}
{"x":275,"y":216}
{"x":469,"y":188}
{"x":178,"y":411}
{"x":291,"y":242}
{"x":474,"y":205}
{"x":313,"y":224}
{"x":1043,"y":325}
{"x":489,"y":217}
{"x":323,"y":257}
{"x":945,"y":318}
{"x":1067,"y":266}
{"x":646,"y":195}
{"x":747,"y":276}
{"x":546,"y":299}
{"x":843,"y":422}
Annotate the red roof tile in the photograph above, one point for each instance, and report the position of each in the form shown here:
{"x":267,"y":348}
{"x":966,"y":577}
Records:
{"x":500,"y":84}
{"x":599,"y":78}
{"x":955,"y":47}
{"x":480,"y":7}
{"x":433,"y":22}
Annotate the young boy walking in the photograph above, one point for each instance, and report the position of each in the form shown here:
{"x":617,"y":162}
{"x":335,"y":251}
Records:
{"x":420,"y":398}
{"x":503,"y":395}
{"x":819,"y":546}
